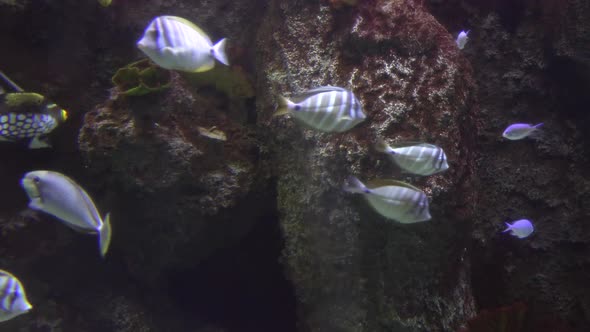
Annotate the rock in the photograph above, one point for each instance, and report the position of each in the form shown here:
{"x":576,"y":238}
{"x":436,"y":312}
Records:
{"x":352,"y":269}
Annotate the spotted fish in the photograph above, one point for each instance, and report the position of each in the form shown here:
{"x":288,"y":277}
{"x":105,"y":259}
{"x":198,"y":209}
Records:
{"x":416,"y":158}
{"x":13,"y":300}
{"x":58,"y":195}
{"x":178,"y":44}
{"x":327,"y":109}
{"x":27,"y":116}
{"x":392,"y":199}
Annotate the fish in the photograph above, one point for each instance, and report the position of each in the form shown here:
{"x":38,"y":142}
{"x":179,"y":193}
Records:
{"x":518,"y":131}
{"x":520,"y":228}
{"x":416,"y":158}
{"x":27,"y":116}
{"x":462,"y":39}
{"x":175,"y":43}
{"x":105,"y":3}
{"x":60,"y":196}
{"x":393,"y":199}
{"x":13,"y":299}
{"x":326,"y":109}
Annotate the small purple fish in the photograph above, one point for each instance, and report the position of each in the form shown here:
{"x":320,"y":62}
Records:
{"x":520,"y":228}
{"x":520,"y":130}
{"x":462,"y":39}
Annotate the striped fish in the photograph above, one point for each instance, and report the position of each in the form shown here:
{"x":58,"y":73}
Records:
{"x":13,"y":300}
{"x":59,"y":196}
{"x":392,"y":199}
{"x":416,"y":158}
{"x":175,"y":43}
{"x":327,"y":108}
{"x":27,"y":116}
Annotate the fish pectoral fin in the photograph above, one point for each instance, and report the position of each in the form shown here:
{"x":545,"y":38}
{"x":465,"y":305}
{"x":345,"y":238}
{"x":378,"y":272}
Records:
{"x":38,"y":143}
{"x":36,"y":204}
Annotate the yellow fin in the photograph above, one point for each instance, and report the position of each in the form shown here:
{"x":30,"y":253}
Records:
{"x":283,"y":106}
{"x":382,"y":146}
{"x":205,"y":68}
{"x":104,"y":235}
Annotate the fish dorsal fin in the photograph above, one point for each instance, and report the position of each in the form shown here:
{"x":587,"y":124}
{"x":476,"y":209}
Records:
{"x":189,"y":24}
{"x":22,"y":102}
{"x":10,"y":84}
{"x":306,"y":94}
{"x":376,"y":183}
{"x":405,"y":144}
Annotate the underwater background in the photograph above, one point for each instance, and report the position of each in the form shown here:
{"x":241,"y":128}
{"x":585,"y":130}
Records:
{"x":227,"y":219}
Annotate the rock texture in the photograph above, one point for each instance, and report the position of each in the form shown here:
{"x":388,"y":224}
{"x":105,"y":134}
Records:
{"x":530,"y":61}
{"x":352,"y":269}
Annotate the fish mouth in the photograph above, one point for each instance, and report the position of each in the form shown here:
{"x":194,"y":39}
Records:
{"x":30,"y":188}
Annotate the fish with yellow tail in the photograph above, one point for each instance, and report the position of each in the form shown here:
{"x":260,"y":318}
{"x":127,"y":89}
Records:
{"x":175,"y":43}
{"x":327,"y":109}
{"x":13,"y":299}
{"x":393,"y":199}
{"x":61,"y":197}
{"x":27,"y":116}
{"x":416,"y":158}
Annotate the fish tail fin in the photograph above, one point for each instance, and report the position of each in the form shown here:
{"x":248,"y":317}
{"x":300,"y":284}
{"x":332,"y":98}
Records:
{"x":104,"y":236}
{"x":508,"y":227}
{"x":382,"y":146}
{"x":219,"y":52}
{"x":282,"y":107}
{"x":354,"y":185}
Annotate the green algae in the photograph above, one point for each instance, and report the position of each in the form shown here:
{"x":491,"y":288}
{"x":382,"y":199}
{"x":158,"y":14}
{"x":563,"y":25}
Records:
{"x":140,"y":78}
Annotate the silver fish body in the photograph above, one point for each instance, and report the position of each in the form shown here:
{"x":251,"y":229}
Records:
{"x":175,"y":43}
{"x":58,"y":195}
{"x":327,"y":109}
{"x":393,"y":199}
{"x":13,"y":299}
{"x":420,"y":158}
{"x":28,"y":116}
{"x":462,"y":39}
{"x":519,"y":131}
{"x":520,"y":228}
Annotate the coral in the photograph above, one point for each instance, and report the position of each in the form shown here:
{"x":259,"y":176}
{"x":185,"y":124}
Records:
{"x":140,"y":78}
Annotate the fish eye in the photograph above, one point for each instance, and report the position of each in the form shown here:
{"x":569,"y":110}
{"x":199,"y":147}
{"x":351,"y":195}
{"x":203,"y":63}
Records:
{"x":297,"y":107}
{"x":154,"y":33}
{"x":36,"y":179}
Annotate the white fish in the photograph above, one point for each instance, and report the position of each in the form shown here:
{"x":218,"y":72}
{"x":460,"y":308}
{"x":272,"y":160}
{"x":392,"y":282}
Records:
{"x":327,"y":108}
{"x":178,"y":44}
{"x":13,"y":300}
{"x":392,"y":199}
{"x":520,"y":228}
{"x":518,"y":131}
{"x":58,"y":195}
{"x":416,"y":158}
{"x":462,"y":39}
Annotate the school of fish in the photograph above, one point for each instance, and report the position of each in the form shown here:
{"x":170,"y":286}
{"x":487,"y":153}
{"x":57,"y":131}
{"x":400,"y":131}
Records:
{"x":175,"y":43}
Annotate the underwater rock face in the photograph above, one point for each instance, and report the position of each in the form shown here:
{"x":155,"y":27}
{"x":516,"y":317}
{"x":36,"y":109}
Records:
{"x":534,"y":67}
{"x":354,"y":270}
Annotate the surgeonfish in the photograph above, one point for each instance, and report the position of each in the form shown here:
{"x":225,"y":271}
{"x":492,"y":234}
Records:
{"x":462,"y":39}
{"x":13,"y":299}
{"x":27,"y":116}
{"x":416,"y":158}
{"x":392,"y":199}
{"x":520,"y":130}
{"x":327,"y":109}
{"x":61,"y":197}
{"x":176,"y":43}
{"x":520,"y":228}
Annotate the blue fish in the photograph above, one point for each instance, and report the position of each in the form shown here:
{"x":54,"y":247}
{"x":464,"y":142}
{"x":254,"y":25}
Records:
{"x":462,"y":39}
{"x":520,"y":228}
{"x":518,"y":131}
